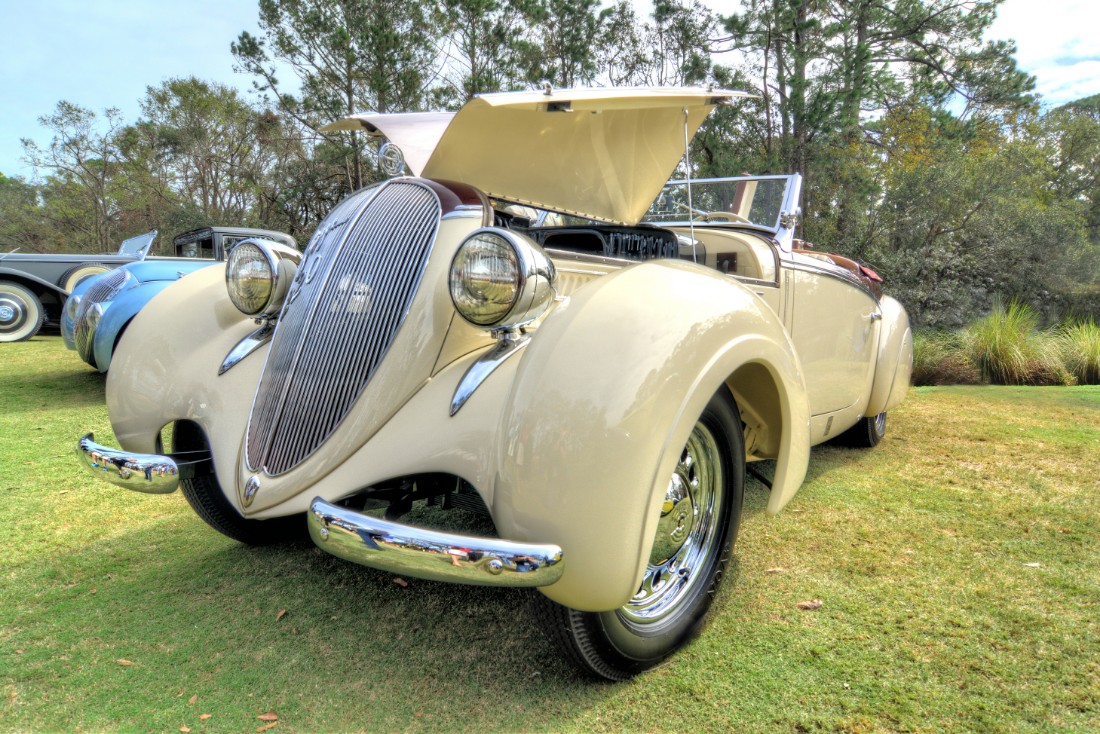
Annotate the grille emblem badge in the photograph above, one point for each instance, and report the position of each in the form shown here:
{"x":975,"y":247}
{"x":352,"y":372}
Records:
{"x":250,"y":490}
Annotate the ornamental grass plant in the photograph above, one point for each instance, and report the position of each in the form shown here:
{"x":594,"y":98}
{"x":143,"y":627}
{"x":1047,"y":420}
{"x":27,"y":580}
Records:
{"x":1009,"y":349}
{"x":1079,"y":343}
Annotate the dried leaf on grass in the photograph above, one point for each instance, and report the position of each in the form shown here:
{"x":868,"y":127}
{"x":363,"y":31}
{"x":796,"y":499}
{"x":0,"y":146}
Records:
{"x":280,"y":615}
{"x":185,"y":729}
{"x":269,"y":716}
{"x":400,"y":581}
{"x":124,"y":661}
{"x":265,"y":727}
{"x":810,"y":605}
{"x":204,"y":717}
{"x":193,"y":699}
{"x":1033,"y":565}
{"x":777,"y":569}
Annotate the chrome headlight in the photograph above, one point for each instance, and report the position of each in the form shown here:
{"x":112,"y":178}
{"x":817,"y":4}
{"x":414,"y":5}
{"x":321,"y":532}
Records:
{"x":258,"y":274}
{"x":72,"y":307}
{"x":501,"y":279}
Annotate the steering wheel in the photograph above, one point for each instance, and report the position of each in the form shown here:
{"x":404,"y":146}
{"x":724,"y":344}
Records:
{"x":724,"y":217}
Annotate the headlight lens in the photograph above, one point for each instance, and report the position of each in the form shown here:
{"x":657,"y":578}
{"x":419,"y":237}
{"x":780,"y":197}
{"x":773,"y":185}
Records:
{"x":250,"y":278}
{"x":72,"y":307}
{"x":485,"y":278}
{"x":501,"y":279}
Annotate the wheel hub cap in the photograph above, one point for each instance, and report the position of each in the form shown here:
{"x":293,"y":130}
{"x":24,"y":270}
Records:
{"x":677,"y":515}
{"x":10,"y":312}
{"x":686,"y":531}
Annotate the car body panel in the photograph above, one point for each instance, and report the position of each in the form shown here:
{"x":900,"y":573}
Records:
{"x":622,"y":144}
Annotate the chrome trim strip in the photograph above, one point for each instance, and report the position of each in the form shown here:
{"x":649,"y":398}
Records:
{"x":485,"y":365}
{"x":147,"y":473}
{"x":465,"y":211}
{"x":247,"y":346}
{"x":429,"y":554}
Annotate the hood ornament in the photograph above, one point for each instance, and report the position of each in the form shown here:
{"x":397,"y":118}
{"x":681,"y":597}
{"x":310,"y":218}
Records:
{"x":391,"y":160}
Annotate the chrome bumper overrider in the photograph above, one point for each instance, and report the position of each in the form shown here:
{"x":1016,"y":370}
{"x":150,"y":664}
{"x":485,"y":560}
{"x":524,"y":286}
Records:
{"x":428,"y":554}
{"x":150,"y":473}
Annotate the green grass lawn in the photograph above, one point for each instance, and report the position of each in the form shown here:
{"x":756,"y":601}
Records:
{"x":958,"y":564}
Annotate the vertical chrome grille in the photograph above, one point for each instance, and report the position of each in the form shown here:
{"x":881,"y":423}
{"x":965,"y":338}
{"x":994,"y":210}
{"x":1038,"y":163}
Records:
{"x":105,"y":288}
{"x":347,"y":303}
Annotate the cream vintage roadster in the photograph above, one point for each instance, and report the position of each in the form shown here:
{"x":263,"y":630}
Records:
{"x":532,"y":326}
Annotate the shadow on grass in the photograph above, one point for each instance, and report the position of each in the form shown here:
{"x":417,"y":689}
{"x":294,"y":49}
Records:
{"x":329,"y":644}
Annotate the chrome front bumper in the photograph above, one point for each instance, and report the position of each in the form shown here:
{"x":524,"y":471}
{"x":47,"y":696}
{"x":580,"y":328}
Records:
{"x":140,"y":472}
{"x":428,"y":554}
{"x":149,"y":473}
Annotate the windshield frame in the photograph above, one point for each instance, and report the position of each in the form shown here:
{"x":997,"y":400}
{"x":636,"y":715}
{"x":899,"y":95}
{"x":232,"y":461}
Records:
{"x":786,"y":207}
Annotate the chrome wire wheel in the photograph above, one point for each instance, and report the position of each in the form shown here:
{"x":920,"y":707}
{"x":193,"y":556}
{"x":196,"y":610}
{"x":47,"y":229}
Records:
{"x":686,"y":532}
{"x":692,"y":547}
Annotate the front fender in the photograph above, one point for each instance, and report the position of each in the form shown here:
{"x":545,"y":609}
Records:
{"x":605,"y":397}
{"x":36,"y":284}
{"x":166,"y":369}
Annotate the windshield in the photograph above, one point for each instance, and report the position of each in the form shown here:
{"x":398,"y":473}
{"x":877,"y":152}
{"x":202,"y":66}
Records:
{"x":756,"y":200}
{"x":137,"y":245}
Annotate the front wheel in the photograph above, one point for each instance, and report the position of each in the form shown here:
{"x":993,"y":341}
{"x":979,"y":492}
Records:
{"x":695,"y":536}
{"x":206,"y":498}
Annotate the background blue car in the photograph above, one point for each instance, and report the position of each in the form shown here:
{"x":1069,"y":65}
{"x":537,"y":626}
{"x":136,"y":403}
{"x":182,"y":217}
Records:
{"x":100,"y":308}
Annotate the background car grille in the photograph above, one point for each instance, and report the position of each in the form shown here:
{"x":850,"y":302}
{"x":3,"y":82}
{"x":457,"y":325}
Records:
{"x":348,"y":301}
{"x":105,"y":288}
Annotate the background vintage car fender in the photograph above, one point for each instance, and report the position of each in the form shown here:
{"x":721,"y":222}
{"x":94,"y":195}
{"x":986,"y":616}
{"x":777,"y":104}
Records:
{"x":605,"y":398}
{"x":895,"y":358}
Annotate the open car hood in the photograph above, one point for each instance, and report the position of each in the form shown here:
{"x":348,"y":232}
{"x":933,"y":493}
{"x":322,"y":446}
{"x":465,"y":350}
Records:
{"x":598,"y":153}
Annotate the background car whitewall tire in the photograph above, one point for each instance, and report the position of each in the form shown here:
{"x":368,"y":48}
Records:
{"x":693,"y":546}
{"x":21,"y":312}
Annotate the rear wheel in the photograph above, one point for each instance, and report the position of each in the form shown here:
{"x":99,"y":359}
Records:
{"x":865,"y":434}
{"x":695,"y":536}
{"x":21,"y":312}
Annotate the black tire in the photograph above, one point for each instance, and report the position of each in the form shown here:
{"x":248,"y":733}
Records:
{"x":206,"y":498}
{"x":619,"y":644}
{"x":72,"y":277}
{"x":866,"y":434}
{"x":21,"y":312}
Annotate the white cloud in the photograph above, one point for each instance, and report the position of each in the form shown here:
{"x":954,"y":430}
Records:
{"x":1056,"y":42}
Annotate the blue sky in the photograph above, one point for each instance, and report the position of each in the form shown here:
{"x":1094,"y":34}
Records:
{"x":104,"y":53}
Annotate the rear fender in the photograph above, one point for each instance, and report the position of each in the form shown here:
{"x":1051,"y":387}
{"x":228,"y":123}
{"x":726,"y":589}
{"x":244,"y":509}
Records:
{"x":607,"y":393}
{"x":894,"y":368}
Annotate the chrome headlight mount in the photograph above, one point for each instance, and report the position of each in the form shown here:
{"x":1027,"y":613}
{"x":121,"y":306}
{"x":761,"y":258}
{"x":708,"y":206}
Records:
{"x":258,"y":276}
{"x":501,"y":280}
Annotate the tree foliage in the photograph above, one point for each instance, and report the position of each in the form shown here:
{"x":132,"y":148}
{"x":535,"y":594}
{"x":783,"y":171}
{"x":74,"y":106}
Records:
{"x":923,"y":150}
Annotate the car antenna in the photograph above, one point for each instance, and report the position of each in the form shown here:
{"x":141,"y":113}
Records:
{"x":687,"y":169}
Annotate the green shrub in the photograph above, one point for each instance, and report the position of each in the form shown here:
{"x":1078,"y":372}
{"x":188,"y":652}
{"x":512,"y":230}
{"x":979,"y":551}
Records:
{"x":942,"y":358}
{"x":1079,"y":344}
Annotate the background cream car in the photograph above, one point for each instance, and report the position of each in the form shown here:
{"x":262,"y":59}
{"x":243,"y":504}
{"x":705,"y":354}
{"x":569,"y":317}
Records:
{"x":594,"y":385}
